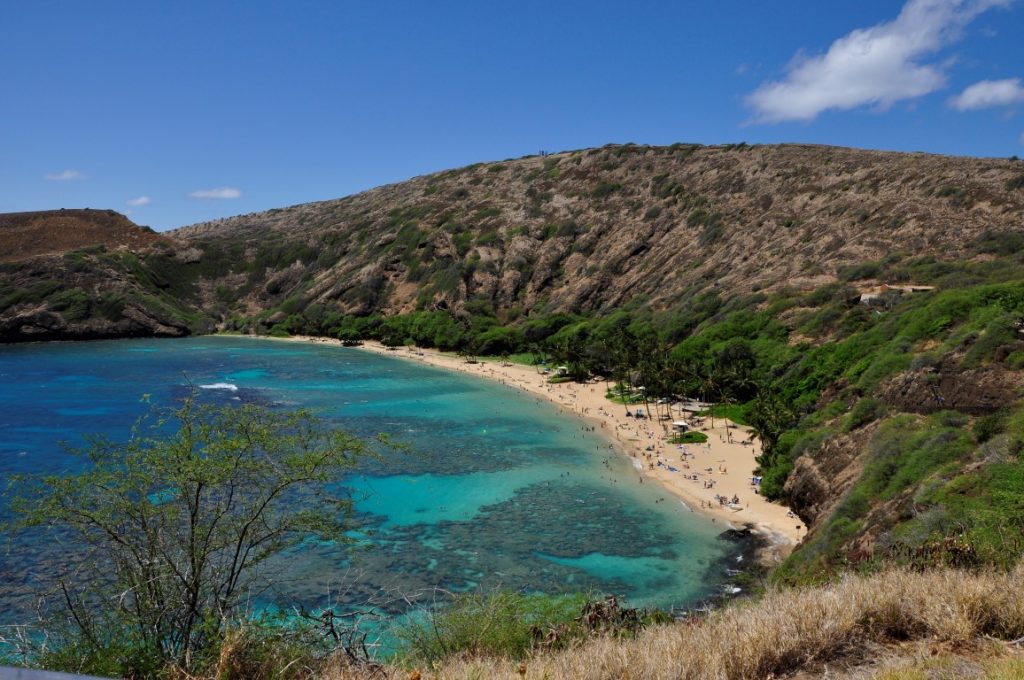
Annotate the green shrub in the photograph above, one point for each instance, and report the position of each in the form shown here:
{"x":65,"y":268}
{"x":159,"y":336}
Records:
{"x":859,"y":272}
{"x":689,"y":437}
{"x":1015,"y":360}
{"x":497,"y":624}
{"x":463,"y":242}
{"x":880,"y":367}
{"x":74,"y":304}
{"x":499,"y":340}
{"x":604,"y":189}
{"x":488,"y":238}
{"x":484,"y":213}
{"x":711,"y":224}
{"x":709,"y":234}
{"x":989,"y":426}
{"x":999,"y":242}
{"x":998,"y":332}
{"x":863,"y":412}
{"x":825,"y":294}
{"x":773,"y":479}
{"x":111,"y":306}
{"x":569,"y":228}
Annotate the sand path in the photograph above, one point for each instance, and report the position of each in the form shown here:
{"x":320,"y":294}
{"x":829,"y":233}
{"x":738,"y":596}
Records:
{"x":722,"y":467}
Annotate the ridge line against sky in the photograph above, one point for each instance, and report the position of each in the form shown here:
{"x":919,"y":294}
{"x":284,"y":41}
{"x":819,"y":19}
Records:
{"x":185,"y":113}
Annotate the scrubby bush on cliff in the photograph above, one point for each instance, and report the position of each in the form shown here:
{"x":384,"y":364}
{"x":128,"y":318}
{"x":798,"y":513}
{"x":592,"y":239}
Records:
{"x":175,"y":521}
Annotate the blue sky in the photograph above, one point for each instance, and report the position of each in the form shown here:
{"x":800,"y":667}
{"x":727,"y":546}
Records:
{"x":179,"y":112}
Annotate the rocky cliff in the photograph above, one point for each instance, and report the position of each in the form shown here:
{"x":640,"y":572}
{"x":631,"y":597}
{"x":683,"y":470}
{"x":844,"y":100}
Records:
{"x":89,"y":274}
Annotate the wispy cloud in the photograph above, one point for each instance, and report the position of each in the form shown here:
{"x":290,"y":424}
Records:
{"x":65,"y":175}
{"x":989,"y":93}
{"x":220,"y":192}
{"x":141,"y":200}
{"x":875,"y":66}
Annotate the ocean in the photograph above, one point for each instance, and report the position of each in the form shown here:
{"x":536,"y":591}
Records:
{"x":493,"y":488}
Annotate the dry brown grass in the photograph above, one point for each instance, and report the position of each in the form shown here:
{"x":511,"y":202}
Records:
{"x":785,"y":632}
{"x":29,"y":234}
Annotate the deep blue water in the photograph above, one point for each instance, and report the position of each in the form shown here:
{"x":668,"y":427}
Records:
{"x":496,"y":489}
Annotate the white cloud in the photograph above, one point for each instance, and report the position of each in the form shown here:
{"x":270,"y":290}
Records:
{"x":989,"y":93}
{"x":141,"y":200}
{"x":220,"y":192}
{"x":65,"y":175}
{"x":1022,"y":138}
{"x":876,"y":66}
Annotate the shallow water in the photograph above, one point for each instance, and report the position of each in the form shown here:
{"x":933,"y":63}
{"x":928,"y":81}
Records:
{"x":496,"y":489}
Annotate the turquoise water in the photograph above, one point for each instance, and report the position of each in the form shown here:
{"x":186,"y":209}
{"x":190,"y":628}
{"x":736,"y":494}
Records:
{"x":495,"y":489}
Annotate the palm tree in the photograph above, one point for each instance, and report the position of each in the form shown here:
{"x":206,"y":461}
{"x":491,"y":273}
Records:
{"x":540,"y":357}
{"x":770,"y":418}
{"x":710,"y":384}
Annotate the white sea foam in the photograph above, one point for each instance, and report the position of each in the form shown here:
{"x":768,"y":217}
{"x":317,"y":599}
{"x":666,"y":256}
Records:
{"x":220,"y":386}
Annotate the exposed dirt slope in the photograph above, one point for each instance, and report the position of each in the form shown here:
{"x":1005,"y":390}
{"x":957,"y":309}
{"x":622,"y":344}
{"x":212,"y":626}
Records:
{"x":29,"y":234}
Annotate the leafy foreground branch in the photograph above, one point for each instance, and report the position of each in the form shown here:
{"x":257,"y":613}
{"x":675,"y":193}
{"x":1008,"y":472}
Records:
{"x":174,"y":523}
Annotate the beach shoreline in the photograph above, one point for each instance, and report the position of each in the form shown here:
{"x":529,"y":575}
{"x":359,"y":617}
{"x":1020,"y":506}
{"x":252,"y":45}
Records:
{"x":724,"y":466}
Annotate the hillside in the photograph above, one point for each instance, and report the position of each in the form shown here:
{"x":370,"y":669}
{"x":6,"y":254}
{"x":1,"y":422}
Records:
{"x":862,"y":310}
{"x":88,"y":274}
{"x":30,"y":234}
{"x":593,"y":230}
{"x":584,"y":231}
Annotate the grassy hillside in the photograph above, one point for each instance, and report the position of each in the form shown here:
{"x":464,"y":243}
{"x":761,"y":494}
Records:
{"x":894,"y":625}
{"x":584,"y":232}
{"x":590,"y":231}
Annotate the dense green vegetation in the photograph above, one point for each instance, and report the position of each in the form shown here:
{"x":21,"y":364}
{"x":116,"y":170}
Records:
{"x":511,"y":625}
{"x":97,"y":284}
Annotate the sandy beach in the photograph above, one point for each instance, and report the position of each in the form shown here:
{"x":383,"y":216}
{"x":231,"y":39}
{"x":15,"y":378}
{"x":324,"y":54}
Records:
{"x":694,"y":473}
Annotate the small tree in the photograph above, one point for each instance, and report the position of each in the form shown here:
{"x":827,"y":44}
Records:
{"x":176,"y":519}
{"x":350,"y":337}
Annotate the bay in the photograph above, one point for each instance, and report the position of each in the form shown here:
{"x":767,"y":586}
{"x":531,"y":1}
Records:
{"x":495,"y":488}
